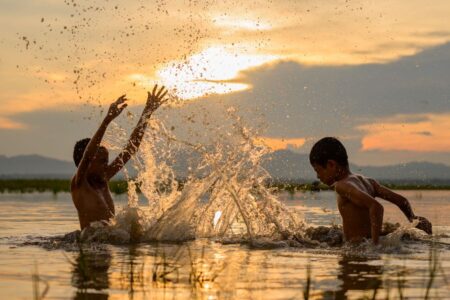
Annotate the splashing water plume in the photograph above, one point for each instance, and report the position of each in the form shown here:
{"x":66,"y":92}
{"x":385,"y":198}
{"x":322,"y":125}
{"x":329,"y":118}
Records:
{"x":224,"y":196}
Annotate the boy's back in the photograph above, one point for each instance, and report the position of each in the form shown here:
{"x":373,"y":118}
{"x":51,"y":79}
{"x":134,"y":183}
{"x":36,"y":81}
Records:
{"x":354,"y":217}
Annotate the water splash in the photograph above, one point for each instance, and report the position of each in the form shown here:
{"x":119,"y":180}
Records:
{"x":224,"y":195}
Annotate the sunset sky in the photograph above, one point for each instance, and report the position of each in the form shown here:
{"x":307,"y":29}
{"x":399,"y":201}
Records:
{"x":376,"y":74}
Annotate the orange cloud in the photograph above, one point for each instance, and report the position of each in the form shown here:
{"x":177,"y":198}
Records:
{"x":330,"y":34}
{"x":417,"y":133}
{"x":199,"y":53}
{"x":280,"y":143}
{"x":241,"y":23}
{"x":6,"y":123}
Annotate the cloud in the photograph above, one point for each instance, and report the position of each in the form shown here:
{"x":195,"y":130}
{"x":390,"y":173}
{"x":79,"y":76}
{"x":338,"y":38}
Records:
{"x":333,"y":33}
{"x":208,"y":72}
{"x":425,"y":133}
{"x":292,"y":100}
{"x":53,"y":77}
{"x":35,"y":100}
{"x":438,"y":33}
{"x":429,"y":135}
{"x":343,"y":66}
{"x":50,"y":132}
{"x":280,"y":143}
{"x":6,"y":123}
{"x":241,"y":23}
{"x":304,"y":101}
{"x":90,"y":49}
{"x":215,"y":70}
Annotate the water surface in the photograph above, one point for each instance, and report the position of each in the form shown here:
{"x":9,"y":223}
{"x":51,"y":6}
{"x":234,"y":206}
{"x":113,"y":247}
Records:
{"x":206,"y":269}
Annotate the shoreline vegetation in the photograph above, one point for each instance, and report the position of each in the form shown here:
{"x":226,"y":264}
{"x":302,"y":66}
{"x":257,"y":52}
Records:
{"x":121,"y":186}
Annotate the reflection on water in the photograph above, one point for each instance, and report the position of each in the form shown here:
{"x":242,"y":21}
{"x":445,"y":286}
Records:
{"x":205,"y":269}
{"x":90,"y":274}
{"x":356,"y":274}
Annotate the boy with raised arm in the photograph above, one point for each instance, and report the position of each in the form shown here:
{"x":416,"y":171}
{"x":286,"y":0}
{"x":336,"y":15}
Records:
{"x":362,"y":214}
{"x":89,"y":186}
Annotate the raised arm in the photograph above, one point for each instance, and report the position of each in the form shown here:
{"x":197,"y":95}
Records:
{"x":362,"y":199}
{"x":154,"y":100}
{"x":91,"y":149}
{"x":397,"y":199}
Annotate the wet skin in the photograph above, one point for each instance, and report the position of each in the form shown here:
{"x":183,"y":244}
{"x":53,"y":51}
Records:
{"x":89,"y":186}
{"x":355,"y":220}
{"x":362,"y":214}
{"x":91,"y":195}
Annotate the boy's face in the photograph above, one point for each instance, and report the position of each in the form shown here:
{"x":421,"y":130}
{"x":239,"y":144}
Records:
{"x":326,"y":174}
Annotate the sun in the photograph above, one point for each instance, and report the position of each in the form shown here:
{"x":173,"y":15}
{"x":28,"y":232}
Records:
{"x":215,"y":70}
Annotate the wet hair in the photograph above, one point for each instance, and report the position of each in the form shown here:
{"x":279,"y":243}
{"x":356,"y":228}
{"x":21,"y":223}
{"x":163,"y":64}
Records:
{"x":328,"y":148}
{"x":78,"y":150}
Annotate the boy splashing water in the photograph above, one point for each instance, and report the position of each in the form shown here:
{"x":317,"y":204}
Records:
{"x":362,"y":214}
{"x":89,"y":186}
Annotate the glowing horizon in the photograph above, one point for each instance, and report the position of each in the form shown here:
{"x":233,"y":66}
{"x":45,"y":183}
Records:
{"x":416,"y":133}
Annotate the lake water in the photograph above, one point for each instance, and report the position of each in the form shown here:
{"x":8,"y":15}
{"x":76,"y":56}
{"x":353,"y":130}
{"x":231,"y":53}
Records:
{"x":205,"y":269}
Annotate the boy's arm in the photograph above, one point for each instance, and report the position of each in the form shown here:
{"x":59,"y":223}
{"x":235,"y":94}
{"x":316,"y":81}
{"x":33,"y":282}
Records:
{"x":91,"y":149}
{"x":403,"y":204}
{"x":362,"y":199}
{"x":388,"y":195}
{"x":154,"y":100}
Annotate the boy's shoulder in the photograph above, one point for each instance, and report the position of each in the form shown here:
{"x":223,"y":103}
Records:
{"x":358,"y":181}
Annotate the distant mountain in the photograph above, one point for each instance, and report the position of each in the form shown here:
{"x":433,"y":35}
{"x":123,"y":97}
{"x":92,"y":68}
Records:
{"x":424,"y":171}
{"x":281,"y":164}
{"x":288,"y":165}
{"x":35,"y":166}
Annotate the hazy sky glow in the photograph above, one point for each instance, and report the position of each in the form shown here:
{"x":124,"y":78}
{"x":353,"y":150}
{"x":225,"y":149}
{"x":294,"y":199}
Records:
{"x":371,"y":73}
{"x":422,"y":133}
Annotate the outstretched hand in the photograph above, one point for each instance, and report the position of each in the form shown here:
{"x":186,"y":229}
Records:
{"x":424,"y":225}
{"x":156,"y":98}
{"x":116,"y":108}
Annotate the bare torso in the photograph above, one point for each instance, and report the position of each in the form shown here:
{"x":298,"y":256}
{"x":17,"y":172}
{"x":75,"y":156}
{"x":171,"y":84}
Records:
{"x":355,"y":219}
{"x":92,"y":200}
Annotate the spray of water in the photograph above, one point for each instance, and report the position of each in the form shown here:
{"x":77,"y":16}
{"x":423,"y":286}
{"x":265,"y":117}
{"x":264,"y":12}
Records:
{"x":224,"y":195}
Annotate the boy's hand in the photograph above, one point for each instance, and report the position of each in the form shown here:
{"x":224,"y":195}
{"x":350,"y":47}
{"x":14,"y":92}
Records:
{"x":424,"y":225}
{"x":116,"y":108}
{"x":155,"y":98}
